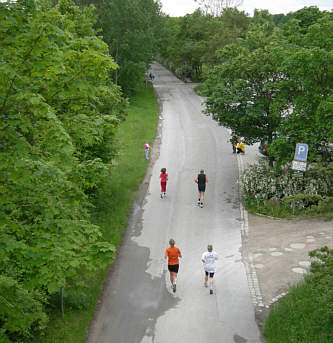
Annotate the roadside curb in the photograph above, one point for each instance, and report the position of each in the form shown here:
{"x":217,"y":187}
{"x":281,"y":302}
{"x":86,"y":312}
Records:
{"x":268,"y":217}
{"x":251,"y":273}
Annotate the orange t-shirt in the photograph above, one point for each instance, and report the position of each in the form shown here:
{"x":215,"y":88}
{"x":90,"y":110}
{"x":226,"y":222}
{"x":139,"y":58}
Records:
{"x":173,"y":253}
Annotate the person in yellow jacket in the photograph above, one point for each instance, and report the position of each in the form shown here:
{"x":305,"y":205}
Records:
{"x":240,"y":147}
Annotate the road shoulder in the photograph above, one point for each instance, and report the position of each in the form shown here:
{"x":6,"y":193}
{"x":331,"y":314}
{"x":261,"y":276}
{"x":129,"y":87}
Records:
{"x":278,"y":252}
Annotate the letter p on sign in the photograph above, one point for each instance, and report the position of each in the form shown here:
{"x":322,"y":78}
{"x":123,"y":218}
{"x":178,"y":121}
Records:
{"x":301,"y":152}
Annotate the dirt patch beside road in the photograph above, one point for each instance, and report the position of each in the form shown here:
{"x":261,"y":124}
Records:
{"x":278,"y":252}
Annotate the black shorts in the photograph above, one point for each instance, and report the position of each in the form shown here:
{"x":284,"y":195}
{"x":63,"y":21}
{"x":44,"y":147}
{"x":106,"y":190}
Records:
{"x":201,"y":188}
{"x":173,"y":268}
{"x":210,"y":274}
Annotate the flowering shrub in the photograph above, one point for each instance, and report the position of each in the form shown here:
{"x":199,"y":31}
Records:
{"x":263,"y":182}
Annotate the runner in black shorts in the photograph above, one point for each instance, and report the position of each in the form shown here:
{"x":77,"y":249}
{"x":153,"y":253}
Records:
{"x":201,"y":180}
{"x":208,"y":259}
{"x":173,"y":268}
{"x":172,"y":254}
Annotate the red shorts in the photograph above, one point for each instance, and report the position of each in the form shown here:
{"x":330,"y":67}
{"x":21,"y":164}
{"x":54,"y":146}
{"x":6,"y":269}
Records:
{"x":163,"y":187}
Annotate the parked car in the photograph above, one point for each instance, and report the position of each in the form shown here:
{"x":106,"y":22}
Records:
{"x":263,"y":147}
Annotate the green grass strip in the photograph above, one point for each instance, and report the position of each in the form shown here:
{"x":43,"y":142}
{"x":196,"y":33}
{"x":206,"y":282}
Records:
{"x":305,"y":314}
{"x":113,"y":208}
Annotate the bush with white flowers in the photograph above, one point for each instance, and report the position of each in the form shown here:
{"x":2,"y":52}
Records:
{"x":263,"y":182}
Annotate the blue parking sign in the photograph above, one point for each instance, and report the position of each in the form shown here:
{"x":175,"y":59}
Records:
{"x":301,"y":152}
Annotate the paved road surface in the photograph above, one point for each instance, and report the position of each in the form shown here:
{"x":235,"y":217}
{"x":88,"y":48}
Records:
{"x":138,"y":305}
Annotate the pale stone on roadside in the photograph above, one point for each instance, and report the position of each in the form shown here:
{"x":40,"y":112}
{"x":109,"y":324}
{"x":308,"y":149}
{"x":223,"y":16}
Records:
{"x":297,"y":246}
{"x":276,"y":253}
{"x":299,"y":270}
{"x":259,"y":266}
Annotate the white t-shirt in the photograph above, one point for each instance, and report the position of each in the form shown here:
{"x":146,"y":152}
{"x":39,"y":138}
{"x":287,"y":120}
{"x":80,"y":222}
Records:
{"x":209,"y":259}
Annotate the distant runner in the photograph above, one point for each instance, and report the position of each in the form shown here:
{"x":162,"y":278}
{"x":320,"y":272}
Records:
{"x":173,"y":253}
{"x":164,"y":179}
{"x":201,"y":180}
{"x":208,"y":259}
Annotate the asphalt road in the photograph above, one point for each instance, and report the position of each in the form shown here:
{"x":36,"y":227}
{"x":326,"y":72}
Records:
{"x":137,"y":304}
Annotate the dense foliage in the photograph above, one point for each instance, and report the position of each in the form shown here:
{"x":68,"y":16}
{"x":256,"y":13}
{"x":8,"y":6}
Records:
{"x":133,"y":30}
{"x":276,"y":85}
{"x":59,"y":112}
{"x":191,"y":42}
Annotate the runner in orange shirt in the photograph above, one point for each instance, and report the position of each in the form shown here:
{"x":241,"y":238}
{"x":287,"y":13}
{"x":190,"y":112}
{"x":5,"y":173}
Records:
{"x":173,"y":254}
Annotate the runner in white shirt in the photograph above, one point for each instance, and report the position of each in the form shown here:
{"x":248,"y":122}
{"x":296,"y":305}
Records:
{"x":208,"y":259}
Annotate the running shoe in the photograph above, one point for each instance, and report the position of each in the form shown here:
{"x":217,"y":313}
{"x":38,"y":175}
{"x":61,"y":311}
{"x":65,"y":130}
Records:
{"x":205,"y":284}
{"x":161,"y":196}
{"x":198,"y":202}
{"x":211,"y":291}
{"x":201,"y":205}
{"x":174,"y":288}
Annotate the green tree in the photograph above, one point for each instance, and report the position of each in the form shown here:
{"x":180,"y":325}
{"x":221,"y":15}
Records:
{"x":246,"y":92}
{"x":192,"y":42}
{"x":308,"y":61}
{"x":131,"y":28}
{"x":194,"y":39}
{"x":224,"y":30}
{"x":275,"y":85}
{"x":58,"y":110}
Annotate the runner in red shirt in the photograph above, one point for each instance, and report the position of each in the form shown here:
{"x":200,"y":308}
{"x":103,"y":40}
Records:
{"x":173,"y":254}
{"x":164,"y":179}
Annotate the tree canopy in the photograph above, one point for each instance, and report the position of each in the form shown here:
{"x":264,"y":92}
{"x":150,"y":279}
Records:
{"x":276,"y":85}
{"x":132,"y":30}
{"x":59,"y":111}
{"x":193,"y":40}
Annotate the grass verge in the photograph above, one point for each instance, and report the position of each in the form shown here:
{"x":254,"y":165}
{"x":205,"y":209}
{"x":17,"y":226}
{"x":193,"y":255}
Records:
{"x":305,"y":314}
{"x":284,"y":211}
{"x":278,"y":211}
{"x":113,"y":207}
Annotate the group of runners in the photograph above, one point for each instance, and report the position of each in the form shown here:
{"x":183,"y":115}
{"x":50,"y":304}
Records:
{"x":201,"y":179}
{"x":173,"y":254}
{"x":208,"y":259}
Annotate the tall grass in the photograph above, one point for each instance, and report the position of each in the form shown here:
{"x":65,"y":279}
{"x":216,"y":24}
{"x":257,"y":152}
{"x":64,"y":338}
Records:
{"x":112,"y":209}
